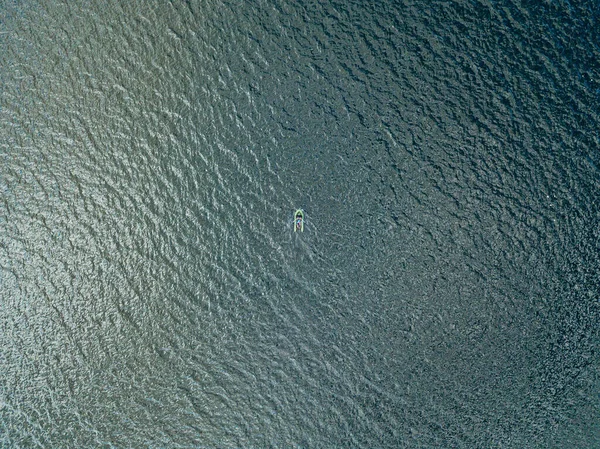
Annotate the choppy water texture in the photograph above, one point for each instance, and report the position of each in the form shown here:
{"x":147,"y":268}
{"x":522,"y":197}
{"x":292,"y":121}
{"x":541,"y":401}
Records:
{"x":445,"y":292}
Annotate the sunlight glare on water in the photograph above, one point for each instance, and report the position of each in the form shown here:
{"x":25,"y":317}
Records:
{"x":444,"y":292}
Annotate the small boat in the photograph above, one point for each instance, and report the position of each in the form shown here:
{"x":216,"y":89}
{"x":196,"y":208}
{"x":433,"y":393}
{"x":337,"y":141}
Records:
{"x":299,"y":221}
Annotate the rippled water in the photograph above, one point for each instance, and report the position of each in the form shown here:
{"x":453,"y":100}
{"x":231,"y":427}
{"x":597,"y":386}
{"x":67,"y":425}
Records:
{"x":445,"y":292}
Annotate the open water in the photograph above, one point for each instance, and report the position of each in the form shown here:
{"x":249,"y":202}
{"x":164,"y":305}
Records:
{"x":445,"y":292}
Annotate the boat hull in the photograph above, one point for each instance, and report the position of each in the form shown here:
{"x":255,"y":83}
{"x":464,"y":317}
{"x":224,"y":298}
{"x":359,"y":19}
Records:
{"x":299,"y":221}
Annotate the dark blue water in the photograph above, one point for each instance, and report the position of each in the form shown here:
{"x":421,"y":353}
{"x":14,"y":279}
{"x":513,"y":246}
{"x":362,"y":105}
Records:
{"x":444,"y":294}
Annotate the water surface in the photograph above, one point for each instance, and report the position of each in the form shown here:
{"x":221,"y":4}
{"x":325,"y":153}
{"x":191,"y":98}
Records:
{"x":444,"y":293}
